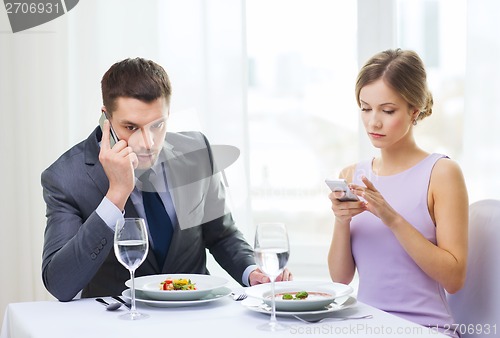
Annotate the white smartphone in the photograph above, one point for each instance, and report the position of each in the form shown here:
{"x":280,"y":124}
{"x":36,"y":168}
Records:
{"x":341,"y":185}
{"x":113,"y":139}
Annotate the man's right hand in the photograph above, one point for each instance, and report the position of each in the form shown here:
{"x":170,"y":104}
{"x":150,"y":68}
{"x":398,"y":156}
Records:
{"x":119,"y":163}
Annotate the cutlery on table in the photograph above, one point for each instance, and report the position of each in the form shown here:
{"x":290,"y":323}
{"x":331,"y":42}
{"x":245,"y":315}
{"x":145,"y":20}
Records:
{"x":121,"y":301}
{"x":239,"y":296}
{"x":318,"y":320}
{"x":109,"y":307}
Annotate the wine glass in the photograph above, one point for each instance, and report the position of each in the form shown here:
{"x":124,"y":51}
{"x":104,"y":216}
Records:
{"x":271,"y":252}
{"x":131,"y":248}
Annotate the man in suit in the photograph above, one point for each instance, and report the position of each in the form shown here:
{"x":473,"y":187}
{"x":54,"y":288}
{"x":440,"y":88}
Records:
{"x":95,"y":183}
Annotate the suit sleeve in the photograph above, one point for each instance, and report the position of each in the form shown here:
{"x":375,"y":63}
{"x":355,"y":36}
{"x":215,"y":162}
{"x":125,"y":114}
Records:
{"x":73,"y":249}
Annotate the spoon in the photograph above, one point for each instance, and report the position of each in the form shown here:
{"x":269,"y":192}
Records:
{"x":109,"y":307}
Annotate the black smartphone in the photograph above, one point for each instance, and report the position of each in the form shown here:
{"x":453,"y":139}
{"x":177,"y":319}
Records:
{"x":113,"y":139}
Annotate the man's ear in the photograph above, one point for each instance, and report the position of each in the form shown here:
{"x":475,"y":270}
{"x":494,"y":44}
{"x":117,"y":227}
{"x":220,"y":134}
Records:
{"x":105,"y":111}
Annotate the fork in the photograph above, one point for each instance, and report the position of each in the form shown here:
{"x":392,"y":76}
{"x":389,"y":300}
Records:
{"x":240,"y":296}
{"x":318,"y":320}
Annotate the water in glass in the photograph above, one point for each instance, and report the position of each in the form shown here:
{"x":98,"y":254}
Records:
{"x":131,"y":248}
{"x":271,"y":252}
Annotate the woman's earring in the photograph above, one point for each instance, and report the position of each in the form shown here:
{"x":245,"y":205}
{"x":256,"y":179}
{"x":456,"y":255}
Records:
{"x":414,"y":122}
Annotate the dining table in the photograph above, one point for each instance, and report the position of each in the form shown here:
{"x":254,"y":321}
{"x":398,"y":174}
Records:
{"x":225,"y":317}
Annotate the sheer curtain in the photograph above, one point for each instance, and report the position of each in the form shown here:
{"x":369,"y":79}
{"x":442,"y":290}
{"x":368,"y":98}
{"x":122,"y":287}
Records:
{"x":33,"y":108}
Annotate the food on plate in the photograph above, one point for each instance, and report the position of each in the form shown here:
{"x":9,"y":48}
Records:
{"x":177,"y":284}
{"x":301,"y":295}
{"x":294,"y":295}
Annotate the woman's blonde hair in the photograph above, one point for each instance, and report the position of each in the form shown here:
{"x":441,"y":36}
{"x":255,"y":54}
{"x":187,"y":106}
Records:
{"x":404,"y":71}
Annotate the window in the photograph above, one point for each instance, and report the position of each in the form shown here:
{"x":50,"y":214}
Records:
{"x":436,"y":31}
{"x":302,"y":115}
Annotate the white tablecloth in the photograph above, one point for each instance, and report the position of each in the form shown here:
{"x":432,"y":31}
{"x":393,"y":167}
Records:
{"x":222,"y":318}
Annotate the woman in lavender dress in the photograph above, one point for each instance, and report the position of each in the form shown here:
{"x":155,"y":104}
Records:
{"x":407,"y":236}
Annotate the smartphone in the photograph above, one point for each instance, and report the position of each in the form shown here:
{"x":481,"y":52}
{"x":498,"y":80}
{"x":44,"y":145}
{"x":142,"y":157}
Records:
{"x":113,"y":139}
{"x":341,"y":185}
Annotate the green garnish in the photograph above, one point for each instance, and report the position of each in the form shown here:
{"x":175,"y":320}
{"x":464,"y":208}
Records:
{"x":299,"y":295}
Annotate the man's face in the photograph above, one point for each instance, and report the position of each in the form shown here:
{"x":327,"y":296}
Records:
{"x":143,"y":126}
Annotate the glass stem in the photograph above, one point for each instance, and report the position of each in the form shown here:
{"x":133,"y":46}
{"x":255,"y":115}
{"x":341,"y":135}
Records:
{"x":132,"y":291}
{"x":273,"y":302}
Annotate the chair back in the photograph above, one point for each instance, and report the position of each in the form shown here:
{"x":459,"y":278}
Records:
{"x":476,"y":307}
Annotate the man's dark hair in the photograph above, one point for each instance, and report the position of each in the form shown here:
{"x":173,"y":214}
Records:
{"x":137,"y":78}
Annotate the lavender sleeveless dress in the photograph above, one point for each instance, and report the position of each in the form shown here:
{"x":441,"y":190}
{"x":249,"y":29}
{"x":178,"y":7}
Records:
{"x":388,"y":278}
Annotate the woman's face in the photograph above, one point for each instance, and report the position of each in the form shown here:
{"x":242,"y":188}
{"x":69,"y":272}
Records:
{"x":386,"y":116}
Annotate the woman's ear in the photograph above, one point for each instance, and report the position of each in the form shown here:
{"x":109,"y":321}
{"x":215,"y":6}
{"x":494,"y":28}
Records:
{"x":415,"y":114}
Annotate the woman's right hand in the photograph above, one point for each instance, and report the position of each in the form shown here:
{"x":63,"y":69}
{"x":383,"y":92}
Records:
{"x":340,"y":260}
{"x":344,"y":211}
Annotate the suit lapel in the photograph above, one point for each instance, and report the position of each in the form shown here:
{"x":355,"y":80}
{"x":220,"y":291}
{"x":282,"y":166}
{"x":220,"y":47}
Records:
{"x":94,"y":168}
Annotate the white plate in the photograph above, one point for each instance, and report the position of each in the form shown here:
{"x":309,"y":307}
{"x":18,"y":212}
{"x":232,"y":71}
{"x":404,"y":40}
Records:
{"x":150,"y":286}
{"x":321,"y":294}
{"x":213,"y":295}
{"x":345,"y":302}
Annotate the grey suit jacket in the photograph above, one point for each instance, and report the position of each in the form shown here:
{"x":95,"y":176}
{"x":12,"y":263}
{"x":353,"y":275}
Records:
{"x":78,"y":246}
